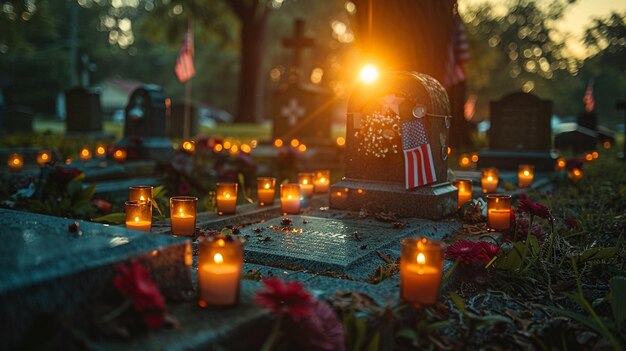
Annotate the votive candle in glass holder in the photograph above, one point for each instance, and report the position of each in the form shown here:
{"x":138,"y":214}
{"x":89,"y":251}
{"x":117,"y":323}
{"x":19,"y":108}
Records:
{"x":101,"y":151}
{"x":306,"y":183}
{"x":465,"y":160}
{"x":226,"y":198}
{"x":140,"y":193}
{"x":560,"y":164}
{"x":322,"y":181}
{"x":119,"y":155}
{"x":138,"y":215}
{"x":183,"y":215}
{"x":421,"y":265}
{"x":290,"y":198}
{"x":43,"y":157}
{"x":489,"y":180}
{"x":499,"y":211}
{"x":266,"y":190}
{"x":220,"y":265}
{"x":575,"y":174}
{"x":525,"y":175}
{"x":15,"y":162}
{"x":85,"y":154}
{"x":465,"y":190}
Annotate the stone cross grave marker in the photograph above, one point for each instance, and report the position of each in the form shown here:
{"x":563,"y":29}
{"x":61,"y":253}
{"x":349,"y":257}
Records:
{"x":396,"y":148}
{"x":145,"y":123}
{"x":520,"y":133}
{"x":301,"y":110}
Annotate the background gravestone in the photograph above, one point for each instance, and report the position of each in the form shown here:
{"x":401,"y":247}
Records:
{"x":582,"y":136}
{"x":16,"y":119}
{"x":177,"y":120}
{"x":520,"y":133}
{"x":375,"y":170}
{"x":144,"y":124}
{"x":301,"y":110}
{"x":84,"y":112}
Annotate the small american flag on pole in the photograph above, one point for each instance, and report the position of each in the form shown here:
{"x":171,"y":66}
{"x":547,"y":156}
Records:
{"x":419,"y":168}
{"x":588,"y":99}
{"x":184,"y":63}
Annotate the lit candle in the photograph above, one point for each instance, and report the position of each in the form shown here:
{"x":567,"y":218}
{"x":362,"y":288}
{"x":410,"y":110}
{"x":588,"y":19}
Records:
{"x":220,"y":263}
{"x":306,"y":183}
{"x":189,"y":146}
{"x":183,"y":215}
{"x":15,"y":162}
{"x":465,"y":161}
{"x":525,"y":175}
{"x":85,"y":154}
{"x":139,"y":215}
{"x":499,"y":211}
{"x":119,"y":155}
{"x":575,"y":174}
{"x":465,"y":190}
{"x":421,"y":265}
{"x":290,"y":198}
{"x":43,"y":157}
{"x":474,"y":157}
{"x":226,"y":198}
{"x":266,"y":190}
{"x":322,"y":181}
{"x":489,"y":180}
{"x":560,"y":164}
{"x":140,"y":193}
{"x":101,"y":151}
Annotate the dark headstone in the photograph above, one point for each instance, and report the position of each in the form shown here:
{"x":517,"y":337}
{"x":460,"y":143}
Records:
{"x":520,"y":133}
{"x":177,"y":120}
{"x":588,"y":120}
{"x":145,"y":124}
{"x":575,"y":138}
{"x":379,"y":120}
{"x":84,"y":111}
{"x":16,"y":119}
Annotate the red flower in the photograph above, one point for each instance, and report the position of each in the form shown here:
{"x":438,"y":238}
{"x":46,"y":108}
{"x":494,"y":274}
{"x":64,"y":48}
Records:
{"x":490,"y":249}
{"x":536,"y":230}
{"x":533,"y":208}
{"x":102,"y":205}
{"x":289,"y":298}
{"x":133,"y":282}
{"x":467,"y":252}
{"x":321,"y":331}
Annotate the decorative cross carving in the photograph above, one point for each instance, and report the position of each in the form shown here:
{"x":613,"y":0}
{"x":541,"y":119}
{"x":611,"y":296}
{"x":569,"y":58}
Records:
{"x":293,"y":111}
{"x":298,"y":42}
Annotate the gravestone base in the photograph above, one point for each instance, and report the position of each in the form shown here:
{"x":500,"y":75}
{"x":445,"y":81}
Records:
{"x":432,"y":202}
{"x":159,"y":149}
{"x":510,"y":160}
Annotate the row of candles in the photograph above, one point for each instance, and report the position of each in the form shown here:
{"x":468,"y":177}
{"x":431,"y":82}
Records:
{"x":15,"y":161}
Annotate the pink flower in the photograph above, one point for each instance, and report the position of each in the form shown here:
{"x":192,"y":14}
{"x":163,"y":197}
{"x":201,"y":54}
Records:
{"x":133,"y":282}
{"x":320,"y":331}
{"x":102,"y":205}
{"x":533,"y":208}
{"x":469,"y":252}
{"x":490,"y":249}
{"x":536,"y":230}
{"x":289,"y":298}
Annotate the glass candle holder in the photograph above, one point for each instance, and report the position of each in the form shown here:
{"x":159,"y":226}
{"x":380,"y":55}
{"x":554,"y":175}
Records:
{"x":119,"y":155}
{"x":140,"y":193}
{"x":575,"y":174}
{"x":101,"y":151}
{"x":220,"y":263}
{"x":560,"y":164}
{"x":43,"y":157}
{"x":290,"y":198}
{"x":15,"y":162}
{"x":499,"y":211}
{"x":525,"y":175}
{"x":465,"y":190}
{"x":322,"y":181}
{"x":183,"y":215}
{"x":306,"y":183}
{"x":266,"y":190}
{"x":138,"y":215}
{"x":85,"y":154}
{"x":465,"y":160}
{"x":489,"y":180}
{"x":226,"y":198}
{"x":421,"y":265}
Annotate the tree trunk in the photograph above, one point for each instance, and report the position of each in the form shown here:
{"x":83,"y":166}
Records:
{"x":251,"y":89}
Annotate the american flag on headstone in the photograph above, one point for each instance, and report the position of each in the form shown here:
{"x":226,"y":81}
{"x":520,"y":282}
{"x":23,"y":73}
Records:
{"x":419,"y":168}
{"x":184,"y":63}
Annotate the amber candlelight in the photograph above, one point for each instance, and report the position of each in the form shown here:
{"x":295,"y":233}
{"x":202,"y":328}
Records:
{"x":140,"y":193}
{"x":220,"y":263}
{"x":85,"y":154}
{"x":421,"y":265}
{"x":465,"y":161}
{"x":489,"y":180}
{"x":43,"y":157}
{"x":290,"y":198}
{"x":322,"y":181}
{"x":226,"y":198}
{"x":575,"y":174}
{"x":266,"y":190}
{"x":15,"y":162}
{"x":119,"y":155}
{"x":138,"y":215}
{"x":306,"y":183}
{"x":525,"y":175}
{"x":465,"y":190}
{"x":183,"y":215}
{"x":499,"y":211}
{"x":560,"y":164}
{"x":101,"y":151}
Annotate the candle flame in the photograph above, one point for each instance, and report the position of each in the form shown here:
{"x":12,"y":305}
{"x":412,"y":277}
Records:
{"x":136,"y":219}
{"x":305,"y":182}
{"x":218,"y":258}
{"x":576,"y":172}
{"x":267,"y":185}
{"x":490,"y":178}
{"x":44,"y":156}
{"x":323,"y":180}
{"x":227,"y":196}
{"x":16,"y":161}
{"x":288,"y":197}
{"x":421,"y":259}
{"x":220,"y":242}
{"x":180,"y":210}
{"x":100,"y":150}
{"x":526,"y":173}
